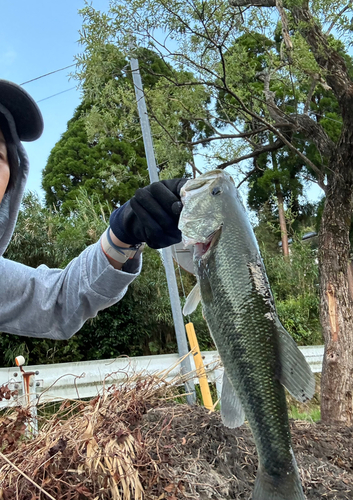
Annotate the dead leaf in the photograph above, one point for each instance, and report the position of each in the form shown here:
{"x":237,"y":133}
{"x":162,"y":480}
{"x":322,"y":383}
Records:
{"x":81,"y":488}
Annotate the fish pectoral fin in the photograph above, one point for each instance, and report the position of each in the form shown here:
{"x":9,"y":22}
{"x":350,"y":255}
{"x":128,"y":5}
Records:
{"x":192,"y":300}
{"x":296,"y":374}
{"x":232,"y":412}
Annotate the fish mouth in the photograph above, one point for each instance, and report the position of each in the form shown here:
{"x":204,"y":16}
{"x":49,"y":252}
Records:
{"x":202,"y":250}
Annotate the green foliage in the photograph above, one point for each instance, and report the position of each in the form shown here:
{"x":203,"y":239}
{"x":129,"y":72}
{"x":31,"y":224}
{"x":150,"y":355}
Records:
{"x":294,"y":282}
{"x":33,"y":240}
{"x":102,"y":149}
{"x":223,"y":58}
{"x":109,"y":86}
{"x":314,"y":415}
{"x":111,"y":169}
{"x":38,"y":351}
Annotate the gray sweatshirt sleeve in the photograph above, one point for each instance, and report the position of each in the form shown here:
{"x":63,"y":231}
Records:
{"x":54,"y":303}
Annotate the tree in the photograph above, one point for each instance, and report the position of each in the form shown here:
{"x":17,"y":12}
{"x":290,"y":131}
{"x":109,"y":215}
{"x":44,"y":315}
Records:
{"x":336,"y":301}
{"x":33,"y":242}
{"x":202,"y":39}
{"x":109,"y":86}
{"x":97,"y":152}
{"x":111,"y":169}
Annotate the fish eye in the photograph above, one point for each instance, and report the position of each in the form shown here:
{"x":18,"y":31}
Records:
{"x":215,"y":191}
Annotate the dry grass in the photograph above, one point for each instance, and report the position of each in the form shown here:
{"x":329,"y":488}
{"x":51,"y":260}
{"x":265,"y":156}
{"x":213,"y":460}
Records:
{"x":86,"y":449}
{"x":133,"y":442}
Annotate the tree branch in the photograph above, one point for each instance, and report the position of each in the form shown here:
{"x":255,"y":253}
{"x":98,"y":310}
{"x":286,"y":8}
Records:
{"x":257,"y":152}
{"x":309,"y":96}
{"x":194,"y":168}
{"x":285,"y":29}
{"x":337,"y":17}
{"x":293,"y":122}
{"x":253,"y":3}
{"x":249,"y":174}
{"x":241,"y":135}
{"x":272,"y":127}
{"x":312,"y":130}
{"x":329,"y":60}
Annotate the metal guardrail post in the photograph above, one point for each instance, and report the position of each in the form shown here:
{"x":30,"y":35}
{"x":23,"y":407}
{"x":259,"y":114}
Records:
{"x":28,"y":399}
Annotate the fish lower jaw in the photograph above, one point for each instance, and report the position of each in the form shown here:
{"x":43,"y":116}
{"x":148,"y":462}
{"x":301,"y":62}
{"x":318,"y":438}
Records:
{"x":202,"y":250}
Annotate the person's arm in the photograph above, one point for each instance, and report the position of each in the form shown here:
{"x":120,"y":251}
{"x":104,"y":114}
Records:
{"x":54,"y":303}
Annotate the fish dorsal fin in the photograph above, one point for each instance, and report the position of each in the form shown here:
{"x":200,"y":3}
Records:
{"x":192,"y":300}
{"x":296,"y":374}
{"x":232,"y":412}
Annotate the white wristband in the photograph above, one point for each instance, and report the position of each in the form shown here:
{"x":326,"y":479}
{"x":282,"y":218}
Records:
{"x":119,"y":254}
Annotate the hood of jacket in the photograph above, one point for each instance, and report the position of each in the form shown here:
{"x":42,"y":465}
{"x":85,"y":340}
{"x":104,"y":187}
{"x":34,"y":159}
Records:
{"x":11,"y":202}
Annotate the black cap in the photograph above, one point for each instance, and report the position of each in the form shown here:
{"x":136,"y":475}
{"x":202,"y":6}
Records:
{"x":24,"y":110}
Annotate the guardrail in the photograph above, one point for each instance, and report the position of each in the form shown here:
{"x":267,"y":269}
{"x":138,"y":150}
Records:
{"x":85,"y":379}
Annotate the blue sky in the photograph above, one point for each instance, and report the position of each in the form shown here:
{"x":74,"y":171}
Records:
{"x":36,"y":38}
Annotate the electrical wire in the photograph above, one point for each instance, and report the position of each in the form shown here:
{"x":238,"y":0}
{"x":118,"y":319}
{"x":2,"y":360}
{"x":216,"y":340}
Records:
{"x":54,"y":95}
{"x":47,"y":74}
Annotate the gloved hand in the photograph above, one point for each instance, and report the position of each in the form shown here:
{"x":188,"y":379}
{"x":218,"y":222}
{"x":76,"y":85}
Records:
{"x":151,"y":216}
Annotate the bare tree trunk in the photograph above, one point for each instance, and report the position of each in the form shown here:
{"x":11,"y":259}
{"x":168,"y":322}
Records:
{"x":280,"y":201}
{"x":282,"y":221}
{"x":336,"y":309}
{"x":350,"y":278}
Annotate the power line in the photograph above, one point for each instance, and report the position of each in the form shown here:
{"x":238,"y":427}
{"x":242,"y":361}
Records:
{"x":47,"y":74}
{"x":54,"y":95}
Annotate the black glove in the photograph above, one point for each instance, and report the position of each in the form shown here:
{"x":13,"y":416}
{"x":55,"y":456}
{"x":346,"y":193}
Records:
{"x":151,"y":216}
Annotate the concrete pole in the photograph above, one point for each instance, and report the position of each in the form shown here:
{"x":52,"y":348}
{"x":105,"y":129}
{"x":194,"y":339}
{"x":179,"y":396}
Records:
{"x":166,"y":252}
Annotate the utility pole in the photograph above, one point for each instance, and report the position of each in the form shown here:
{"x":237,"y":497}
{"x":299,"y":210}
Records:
{"x":166,"y":252}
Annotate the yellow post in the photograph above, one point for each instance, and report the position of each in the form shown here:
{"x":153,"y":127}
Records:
{"x":200,"y":369}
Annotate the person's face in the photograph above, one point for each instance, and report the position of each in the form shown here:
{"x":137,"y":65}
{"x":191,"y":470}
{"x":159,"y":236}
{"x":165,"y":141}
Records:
{"x":4,"y":167}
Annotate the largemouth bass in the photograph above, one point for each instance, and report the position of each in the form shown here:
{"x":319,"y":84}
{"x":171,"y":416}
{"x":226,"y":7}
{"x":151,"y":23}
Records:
{"x":258,"y":354}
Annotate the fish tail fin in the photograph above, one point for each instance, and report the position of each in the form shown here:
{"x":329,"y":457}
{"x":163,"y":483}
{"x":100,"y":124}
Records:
{"x":286,"y":487}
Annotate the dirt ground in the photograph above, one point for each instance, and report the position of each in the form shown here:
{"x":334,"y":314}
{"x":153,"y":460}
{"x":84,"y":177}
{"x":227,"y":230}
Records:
{"x":134,"y":444}
{"x":213,"y":462}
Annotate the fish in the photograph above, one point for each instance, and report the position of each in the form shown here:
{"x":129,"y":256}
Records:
{"x":259,"y":356}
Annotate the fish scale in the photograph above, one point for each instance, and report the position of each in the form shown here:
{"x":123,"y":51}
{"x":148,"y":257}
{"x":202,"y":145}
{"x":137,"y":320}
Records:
{"x":258,"y":355}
